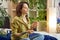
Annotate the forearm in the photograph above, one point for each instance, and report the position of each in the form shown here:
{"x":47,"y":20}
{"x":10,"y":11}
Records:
{"x":20,"y":34}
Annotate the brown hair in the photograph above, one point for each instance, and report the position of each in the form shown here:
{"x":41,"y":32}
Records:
{"x":19,"y":8}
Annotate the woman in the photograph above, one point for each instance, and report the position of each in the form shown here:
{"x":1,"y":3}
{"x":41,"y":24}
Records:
{"x":19,"y":25}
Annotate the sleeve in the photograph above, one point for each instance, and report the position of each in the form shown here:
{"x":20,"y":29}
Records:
{"x":14,"y":27}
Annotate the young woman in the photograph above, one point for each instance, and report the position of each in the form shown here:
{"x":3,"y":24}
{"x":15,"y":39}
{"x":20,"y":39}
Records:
{"x":19,"y":25}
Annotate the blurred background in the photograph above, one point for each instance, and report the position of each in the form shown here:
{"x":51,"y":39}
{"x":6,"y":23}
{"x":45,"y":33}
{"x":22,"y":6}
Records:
{"x":46,"y":12}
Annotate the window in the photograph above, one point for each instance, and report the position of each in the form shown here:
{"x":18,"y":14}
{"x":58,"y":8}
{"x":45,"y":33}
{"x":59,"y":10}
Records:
{"x":38,"y":12}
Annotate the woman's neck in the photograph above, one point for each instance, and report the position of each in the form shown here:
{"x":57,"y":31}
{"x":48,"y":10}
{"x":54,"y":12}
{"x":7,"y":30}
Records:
{"x":23,"y":15}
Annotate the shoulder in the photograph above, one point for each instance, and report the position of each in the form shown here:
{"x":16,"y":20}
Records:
{"x":16,"y":18}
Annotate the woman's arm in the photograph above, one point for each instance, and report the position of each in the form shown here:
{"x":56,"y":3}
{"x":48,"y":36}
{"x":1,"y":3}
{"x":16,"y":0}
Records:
{"x":19,"y":34}
{"x":14,"y":27}
{"x":22,"y":33}
{"x":34,"y":25}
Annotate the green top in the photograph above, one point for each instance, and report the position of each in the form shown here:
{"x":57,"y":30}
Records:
{"x":19,"y":26}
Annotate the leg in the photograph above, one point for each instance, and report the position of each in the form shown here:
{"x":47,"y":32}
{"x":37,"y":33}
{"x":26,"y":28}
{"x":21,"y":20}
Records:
{"x":25,"y":39}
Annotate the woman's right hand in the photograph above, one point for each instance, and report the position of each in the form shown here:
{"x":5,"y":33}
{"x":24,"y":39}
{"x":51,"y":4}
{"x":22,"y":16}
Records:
{"x":30,"y":31}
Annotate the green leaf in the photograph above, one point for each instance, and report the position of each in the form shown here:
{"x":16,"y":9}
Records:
{"x":15,"y":1}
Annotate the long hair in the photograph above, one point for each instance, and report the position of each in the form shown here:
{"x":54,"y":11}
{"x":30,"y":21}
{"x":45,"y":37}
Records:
{"x":19,"y":8}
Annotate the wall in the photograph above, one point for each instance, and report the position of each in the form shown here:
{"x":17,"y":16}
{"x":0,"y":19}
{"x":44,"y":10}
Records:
{"x":51,"y":15}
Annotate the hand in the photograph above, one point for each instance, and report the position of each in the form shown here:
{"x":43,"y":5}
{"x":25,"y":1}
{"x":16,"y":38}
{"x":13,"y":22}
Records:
{"x":30,"y":31}
{"x":34,"y":25}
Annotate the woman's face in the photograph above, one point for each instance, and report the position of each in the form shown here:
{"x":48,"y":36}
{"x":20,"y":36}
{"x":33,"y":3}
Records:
{"x":25,"y":8}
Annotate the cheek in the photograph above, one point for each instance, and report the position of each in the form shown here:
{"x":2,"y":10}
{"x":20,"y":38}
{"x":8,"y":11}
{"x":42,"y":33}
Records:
{"x":25,"y":10}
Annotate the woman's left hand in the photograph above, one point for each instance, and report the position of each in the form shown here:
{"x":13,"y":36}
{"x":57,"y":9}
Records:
{"x":34,"y":25}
